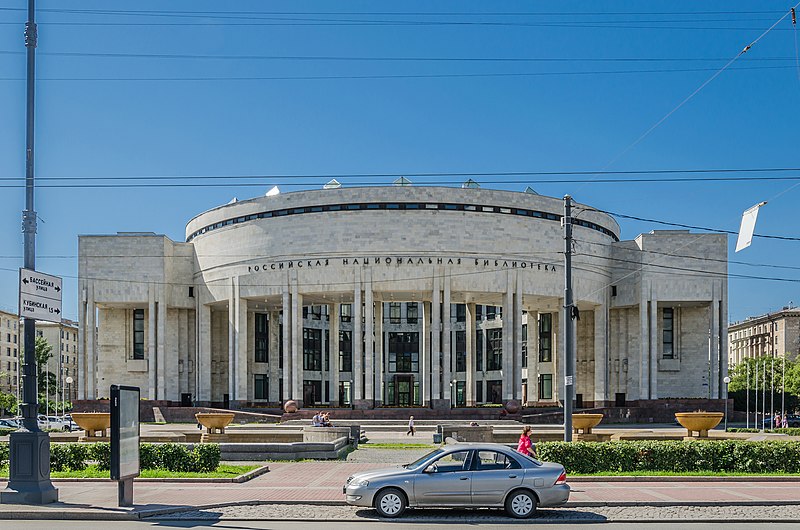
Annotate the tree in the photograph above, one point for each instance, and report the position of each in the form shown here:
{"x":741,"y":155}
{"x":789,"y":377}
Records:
{"x":766,"y":374}
{"x":8,"y":402}
{"x":45,"y":380}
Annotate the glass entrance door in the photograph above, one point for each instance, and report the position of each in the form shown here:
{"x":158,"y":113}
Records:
{"x":404,"y":387}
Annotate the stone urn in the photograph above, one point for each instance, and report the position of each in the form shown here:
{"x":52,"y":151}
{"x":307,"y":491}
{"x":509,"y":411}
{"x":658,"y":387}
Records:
{"x":290,"y":407}
{"x":95,"y":424}
{"x":584,"y":423}
{"x":699,"y":422}
{"x":214,"y":422}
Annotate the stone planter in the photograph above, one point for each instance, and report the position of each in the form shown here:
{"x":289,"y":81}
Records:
{"x":96,"y":425}
{"x":215,"y":423}
{"x":582,"y":425}
{"x":699,"y":422}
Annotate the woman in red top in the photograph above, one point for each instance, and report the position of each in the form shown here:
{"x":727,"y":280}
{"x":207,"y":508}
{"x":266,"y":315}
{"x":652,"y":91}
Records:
{"x":525,"y":445}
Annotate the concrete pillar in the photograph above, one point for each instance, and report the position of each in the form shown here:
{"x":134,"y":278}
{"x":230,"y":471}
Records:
{"x":369,"y":340}
{"x":286,"y":317}
{"x":378,"y":366}
{"x":447,"y":349}
{"x":722,"y":337}
{"x":436,"y":344}
{"x":180,"y":355}
{"x":242,"y":346}
{"x":152,"y":355}
{"x":533,"y":357}
{"x":203,"y":353}
{"x":655,"y":344}
{"x":644,"y":345}
{"x":508,"y":339}
{"x":600,"y":354}
{"x":232,"y":296}
{"x":470,"y":382}
{"x":91,"y":345}
{"x":274,"y":360}
{"x":425,"y":355}
{"x":517,"y":388}
{"x":80,"y":382}
{"x":714,"y":379}
{"x":161,"y":339}
{"x":333,"y":325}
{"x":297,"y":342}
{"x":358,"y":344}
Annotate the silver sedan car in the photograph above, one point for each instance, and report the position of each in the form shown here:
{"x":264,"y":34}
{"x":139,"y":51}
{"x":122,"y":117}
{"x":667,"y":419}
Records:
{"x":463,"y":475}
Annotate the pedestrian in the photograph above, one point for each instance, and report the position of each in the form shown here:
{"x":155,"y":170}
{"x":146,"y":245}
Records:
{"x":410,"y":426}
{"x":316,"y":421}
{"x":785,"y":422}
{"x":777,"y":420}
{"x":525,"y":446}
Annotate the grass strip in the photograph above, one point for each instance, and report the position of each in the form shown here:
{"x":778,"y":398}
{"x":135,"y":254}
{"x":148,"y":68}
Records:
{"x":223,"y":471}
{"x":396,"y":446}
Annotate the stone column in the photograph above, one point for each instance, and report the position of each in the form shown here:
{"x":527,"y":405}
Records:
{"x":297,"y":342}
{"x":378,"y":367}
{"x":470,"y":383}
{"x":232,"y":295}
{"x":722,"y":319}
{"x":447,"y":349}
{"x":274,"y":360}
{"x":644,"y":343}
{"x":333,"y":324}
{"x":713,"y":382}
{"x":287,"y":343}
{"x":533,"y":357}
{"x":91,"y":346}
{"x":161,"y":338}
{"x":654,"y":347}
{"x":508,"y":340}
{"x":600,"y":355}
{"x":369,"y":340}
{"x":242,"y":346}
{"x":425,"y":357}
{"x":358,"y":344}
{"x":436,"y":348}
{"x":517,"y":389}
{"x":82,"y":349}
{"x":152,"y":355}
{"x":203,"y":353}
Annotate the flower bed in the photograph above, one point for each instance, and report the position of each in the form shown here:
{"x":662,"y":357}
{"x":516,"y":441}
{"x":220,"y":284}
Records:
{"x":739,"y":456}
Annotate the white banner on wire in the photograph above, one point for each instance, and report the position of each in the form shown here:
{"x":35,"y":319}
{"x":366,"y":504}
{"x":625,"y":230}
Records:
{"x":747,"y":227}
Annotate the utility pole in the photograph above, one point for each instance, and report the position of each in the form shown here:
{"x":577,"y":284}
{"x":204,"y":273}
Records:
{"x":569,"y":344}
{"x":29,"y":473}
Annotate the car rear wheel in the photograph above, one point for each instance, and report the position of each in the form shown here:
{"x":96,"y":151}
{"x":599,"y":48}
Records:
{"x":390,"y":503}
{"x":521,"y":504}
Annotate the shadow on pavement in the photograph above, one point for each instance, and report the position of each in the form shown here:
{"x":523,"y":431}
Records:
{"x":457,"y":515}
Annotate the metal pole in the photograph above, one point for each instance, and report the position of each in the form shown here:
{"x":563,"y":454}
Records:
{"x":569,"y":354}
{"x":29,"y":481}
{"x":783,"y":386}
{"x":764,"y":393}
{"x":772,"y":389}
{"x":755,"y":398}
{"x":747,"y":394}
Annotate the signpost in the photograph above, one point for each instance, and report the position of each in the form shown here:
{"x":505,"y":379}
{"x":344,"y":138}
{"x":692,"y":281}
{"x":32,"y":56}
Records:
{"x":124,"y":440}
{"x":39,"y":296}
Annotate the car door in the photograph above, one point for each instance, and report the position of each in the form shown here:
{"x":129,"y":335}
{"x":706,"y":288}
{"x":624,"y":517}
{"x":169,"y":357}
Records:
{"x":444,"y":482}
{"x":494,"y":475}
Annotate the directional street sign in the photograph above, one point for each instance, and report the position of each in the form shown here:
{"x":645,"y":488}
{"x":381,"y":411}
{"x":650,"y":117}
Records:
{"x":39,"y":296}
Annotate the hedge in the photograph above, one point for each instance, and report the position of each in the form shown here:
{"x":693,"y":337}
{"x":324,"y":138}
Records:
{"x":674,"y":455}
{"x":791,"y":431}
{"x":203,"y":458}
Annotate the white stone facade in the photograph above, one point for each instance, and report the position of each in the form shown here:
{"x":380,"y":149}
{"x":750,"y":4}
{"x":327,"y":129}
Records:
{"x":461,"y":291}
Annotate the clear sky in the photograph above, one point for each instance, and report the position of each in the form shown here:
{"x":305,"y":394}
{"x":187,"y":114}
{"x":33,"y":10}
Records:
{"x":356,"y":87}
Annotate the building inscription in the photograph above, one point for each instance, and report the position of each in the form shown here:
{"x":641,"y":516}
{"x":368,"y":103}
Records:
{"x":399,"y":261}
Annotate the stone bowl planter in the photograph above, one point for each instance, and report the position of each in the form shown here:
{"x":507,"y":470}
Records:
{"x":214,"y":421}
{"x":699,"y":422}
{"x":94,"y":423}
{"x":584,"y":423}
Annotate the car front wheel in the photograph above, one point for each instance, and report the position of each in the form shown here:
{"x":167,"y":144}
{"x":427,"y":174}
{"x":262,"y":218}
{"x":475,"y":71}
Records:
{"x":390,"y":503}
{"x":521,"y":504}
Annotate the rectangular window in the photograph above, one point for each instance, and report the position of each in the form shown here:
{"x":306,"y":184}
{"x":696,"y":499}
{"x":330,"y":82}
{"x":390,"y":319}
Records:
{"x":545,"y":337}
{"x":312,"y":349}
{"x":394,"y":312}
{"x":479,"y":350}
{"x":345,"y":351}
{"x":327,"y":353}
{"x":479,"y":391}
{"x":403,"y":352}
{"x":412,"y":312}
{"x":524,"y":345}
{"x":667,"y":343}
{"x":138,"y":333}
{"x":316,"y":312}
{"x":346,"y":312}
{"x":262,"y":338}
{"x":494,"y":349}
{"x":491,"y":312}
{"x":461,"y":351}
{"x":545,"y":386}
{"x":478,"y":313}
{"x":261,"y":387}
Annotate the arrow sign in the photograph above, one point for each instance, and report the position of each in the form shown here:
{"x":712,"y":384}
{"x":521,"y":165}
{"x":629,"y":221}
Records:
{"x":39,"y":296}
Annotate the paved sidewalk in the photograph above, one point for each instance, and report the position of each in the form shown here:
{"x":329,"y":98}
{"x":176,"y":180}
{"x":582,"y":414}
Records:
{"x":321,"y":482}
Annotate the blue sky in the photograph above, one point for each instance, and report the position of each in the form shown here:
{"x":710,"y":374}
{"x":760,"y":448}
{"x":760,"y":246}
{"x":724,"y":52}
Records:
{"x":110,"y":116}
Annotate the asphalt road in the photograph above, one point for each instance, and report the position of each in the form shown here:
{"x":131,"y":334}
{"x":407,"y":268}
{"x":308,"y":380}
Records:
{"x":300,"y":525}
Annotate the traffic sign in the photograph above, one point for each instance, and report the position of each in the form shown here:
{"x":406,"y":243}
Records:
{"x":39,"y":296}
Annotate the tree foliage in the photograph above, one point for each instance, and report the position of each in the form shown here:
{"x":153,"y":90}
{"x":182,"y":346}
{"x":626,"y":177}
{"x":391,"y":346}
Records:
{"x":765,"y":376}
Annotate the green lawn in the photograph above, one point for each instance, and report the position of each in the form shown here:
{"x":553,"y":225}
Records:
{"x":223,"y":471}
{"x":396,"y":446}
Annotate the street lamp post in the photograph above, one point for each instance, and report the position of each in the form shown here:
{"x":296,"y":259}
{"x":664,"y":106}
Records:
{"x":726,"y":380}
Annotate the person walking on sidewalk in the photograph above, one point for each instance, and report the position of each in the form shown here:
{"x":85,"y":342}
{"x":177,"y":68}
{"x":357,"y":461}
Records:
{"x":525,"y":446}
{"x":410,"y":426}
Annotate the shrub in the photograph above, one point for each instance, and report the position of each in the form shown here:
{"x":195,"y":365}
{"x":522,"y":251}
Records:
{"x":674,"y":455}
{"x":174,"y":457}
{"x":100,"y":452}
{"x":4,"y":450}
{"x":206,"y":457}
{"x":5,"y":432}
{"x":148,"y":456}
{"x":791,"y":431}
{"x":68,"y":457}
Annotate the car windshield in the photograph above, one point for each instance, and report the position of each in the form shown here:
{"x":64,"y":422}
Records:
{"x":419,"y":461}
